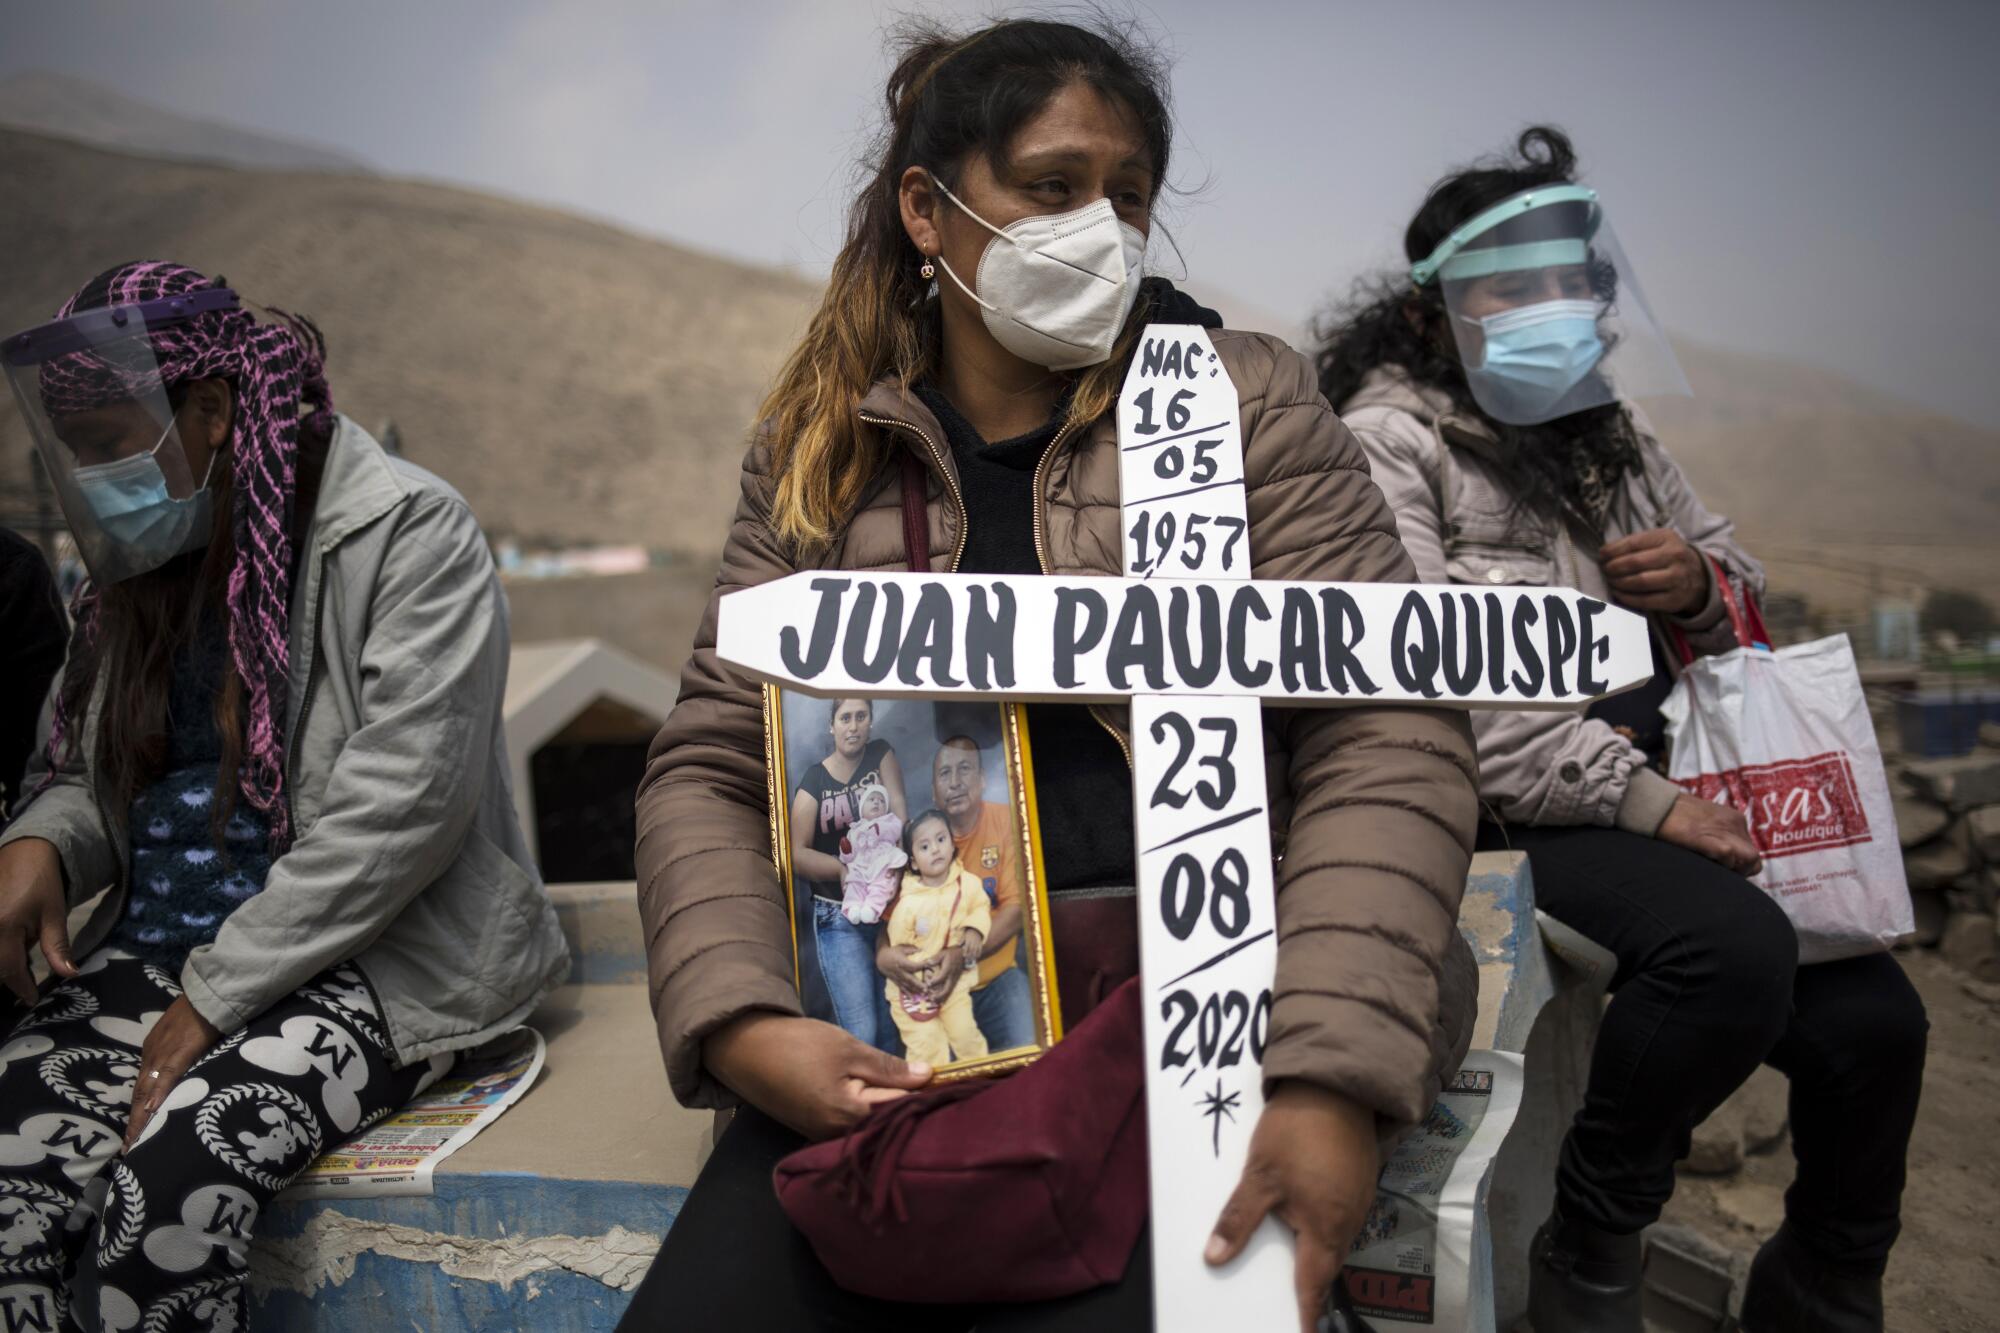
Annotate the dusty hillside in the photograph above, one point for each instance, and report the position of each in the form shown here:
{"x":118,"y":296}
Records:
{"x":46,"y":102}
{"x":583,"y":384}
{"x":578,"y":383}
{"x":1839,"y":488}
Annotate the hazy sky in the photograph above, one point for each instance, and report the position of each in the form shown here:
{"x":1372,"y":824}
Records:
{"x":1812,"y":179}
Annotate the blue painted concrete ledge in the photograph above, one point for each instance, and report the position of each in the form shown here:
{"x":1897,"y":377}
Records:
{"x":549,"y":1220}
{"x":487,"y":1251}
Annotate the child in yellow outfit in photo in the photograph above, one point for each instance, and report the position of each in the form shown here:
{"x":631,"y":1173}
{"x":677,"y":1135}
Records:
{"x":941,"y":904}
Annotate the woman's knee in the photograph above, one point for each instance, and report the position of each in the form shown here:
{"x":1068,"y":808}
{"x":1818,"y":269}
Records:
{"x":1755,"y":945}
{"x":170,"y":1214}
{"x":1881,"y":1020}
{"x":1735,"y":944}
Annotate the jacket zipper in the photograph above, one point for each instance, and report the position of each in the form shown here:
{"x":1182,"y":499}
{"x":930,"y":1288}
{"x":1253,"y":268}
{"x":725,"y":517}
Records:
{"x":292,"y":749}
{"x":313,"y":653}
{"x":316,"y":575}
{"x":1041,"y":474}
{"x":951,"y":484}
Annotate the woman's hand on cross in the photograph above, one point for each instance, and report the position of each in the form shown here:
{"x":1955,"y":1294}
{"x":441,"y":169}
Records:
{"x":1313,"y":1163}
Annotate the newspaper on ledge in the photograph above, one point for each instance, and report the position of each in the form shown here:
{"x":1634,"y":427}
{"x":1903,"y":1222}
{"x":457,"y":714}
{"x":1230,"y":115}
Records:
{"x":1414,"y":1261}
{"x":397,"y":1155}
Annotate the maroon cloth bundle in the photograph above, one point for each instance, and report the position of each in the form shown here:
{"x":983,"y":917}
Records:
{"x":1020,"y":1189}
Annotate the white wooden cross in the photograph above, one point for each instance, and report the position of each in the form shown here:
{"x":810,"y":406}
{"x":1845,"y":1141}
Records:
{"x":1195,"y":646}
{"x":1208,"y":915}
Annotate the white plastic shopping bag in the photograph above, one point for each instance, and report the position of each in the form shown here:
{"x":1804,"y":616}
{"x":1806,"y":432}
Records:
{"x":1785,"y":738}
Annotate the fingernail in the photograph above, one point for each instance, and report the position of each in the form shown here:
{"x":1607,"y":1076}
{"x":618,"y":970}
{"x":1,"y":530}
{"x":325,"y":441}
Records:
{"x":920,"y":1069}
{"x":1217,"y":1247}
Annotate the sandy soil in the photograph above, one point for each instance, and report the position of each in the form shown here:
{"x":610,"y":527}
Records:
{"x":1942,"y":1276}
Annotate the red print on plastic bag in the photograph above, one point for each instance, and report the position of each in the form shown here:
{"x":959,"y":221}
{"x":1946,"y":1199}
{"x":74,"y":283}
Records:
{"x":1801,"y":805}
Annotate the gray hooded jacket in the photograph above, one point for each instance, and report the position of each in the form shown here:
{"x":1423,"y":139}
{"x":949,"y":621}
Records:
{"x":1456,"y":516}
{"x":407,"y":856}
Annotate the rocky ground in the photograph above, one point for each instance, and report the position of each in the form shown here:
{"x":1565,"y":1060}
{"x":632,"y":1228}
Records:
{"x":1942,"y":1277}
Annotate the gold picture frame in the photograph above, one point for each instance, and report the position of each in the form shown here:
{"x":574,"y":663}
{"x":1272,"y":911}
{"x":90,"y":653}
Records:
{"x":831,"y":952}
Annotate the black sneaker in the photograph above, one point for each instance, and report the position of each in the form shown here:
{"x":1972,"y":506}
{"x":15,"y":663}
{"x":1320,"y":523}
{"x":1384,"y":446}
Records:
{"x":1583,"y":1280}
{"x":1792,"y":1291}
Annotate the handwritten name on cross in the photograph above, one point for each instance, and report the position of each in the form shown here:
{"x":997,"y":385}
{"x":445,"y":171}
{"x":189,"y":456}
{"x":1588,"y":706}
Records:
{"x":1195,"y":646}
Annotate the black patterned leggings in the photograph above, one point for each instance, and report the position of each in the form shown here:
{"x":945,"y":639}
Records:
{"x":155,"y":1239}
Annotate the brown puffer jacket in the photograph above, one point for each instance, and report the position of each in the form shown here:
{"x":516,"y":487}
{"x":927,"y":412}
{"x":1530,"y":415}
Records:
{"x":1374,"y":807}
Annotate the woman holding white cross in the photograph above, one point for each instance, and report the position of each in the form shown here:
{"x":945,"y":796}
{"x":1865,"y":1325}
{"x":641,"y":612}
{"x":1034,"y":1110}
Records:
{"x":1490,"y":388}
{"x":955,"y":392}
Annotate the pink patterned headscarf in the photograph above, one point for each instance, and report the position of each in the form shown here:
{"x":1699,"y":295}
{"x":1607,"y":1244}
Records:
{"x":278,"y":370}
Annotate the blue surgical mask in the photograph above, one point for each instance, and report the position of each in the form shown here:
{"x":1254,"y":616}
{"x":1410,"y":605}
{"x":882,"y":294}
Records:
{"x":130,"y":502}
{"x":1535,"y":354}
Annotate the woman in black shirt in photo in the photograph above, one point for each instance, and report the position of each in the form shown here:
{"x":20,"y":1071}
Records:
{"x":823,"y":806}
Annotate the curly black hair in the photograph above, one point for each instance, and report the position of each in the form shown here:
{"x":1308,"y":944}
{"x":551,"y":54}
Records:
{"x":1387,"y":320}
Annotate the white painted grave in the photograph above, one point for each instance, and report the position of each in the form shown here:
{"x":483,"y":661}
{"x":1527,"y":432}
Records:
{"x":1195,"y":646}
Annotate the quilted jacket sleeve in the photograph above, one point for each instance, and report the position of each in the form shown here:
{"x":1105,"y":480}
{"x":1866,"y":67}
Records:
{"x":718,"y":937}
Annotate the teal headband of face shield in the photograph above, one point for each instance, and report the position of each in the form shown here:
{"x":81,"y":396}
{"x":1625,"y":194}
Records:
{"x":1453,"y":261}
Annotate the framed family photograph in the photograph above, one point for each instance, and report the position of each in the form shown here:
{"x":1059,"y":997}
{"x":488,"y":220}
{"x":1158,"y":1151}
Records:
{"x":904,"y":835}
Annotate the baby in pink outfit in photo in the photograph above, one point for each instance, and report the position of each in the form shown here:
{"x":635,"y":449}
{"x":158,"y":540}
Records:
{"x":873,"y":855}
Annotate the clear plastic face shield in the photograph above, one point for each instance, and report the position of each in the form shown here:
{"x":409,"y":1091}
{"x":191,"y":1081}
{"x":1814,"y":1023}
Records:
{"x":93,"y":394}
{"x":1546,"y":310}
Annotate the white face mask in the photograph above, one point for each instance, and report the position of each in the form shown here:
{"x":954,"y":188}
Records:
{"x":1055,"y":290}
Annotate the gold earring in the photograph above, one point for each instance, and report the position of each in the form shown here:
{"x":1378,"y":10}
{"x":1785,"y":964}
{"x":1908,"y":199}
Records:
{"x":928,"y":271}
